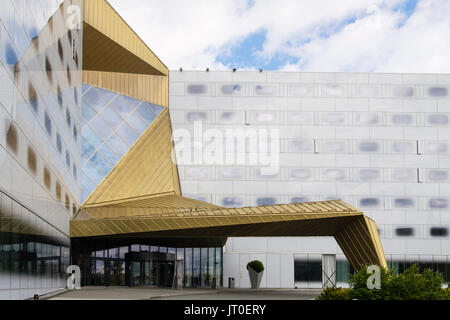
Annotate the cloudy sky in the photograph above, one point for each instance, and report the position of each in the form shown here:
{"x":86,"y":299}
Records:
{"x":312,"y":35}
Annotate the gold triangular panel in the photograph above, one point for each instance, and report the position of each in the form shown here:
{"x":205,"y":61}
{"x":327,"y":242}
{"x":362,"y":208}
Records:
{"x":147,"y":168}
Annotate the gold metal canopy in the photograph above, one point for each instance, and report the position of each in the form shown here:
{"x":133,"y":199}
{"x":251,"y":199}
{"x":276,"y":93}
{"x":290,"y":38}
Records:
{"x":141,"y":197}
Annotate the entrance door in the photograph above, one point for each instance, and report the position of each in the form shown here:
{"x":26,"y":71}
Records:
{"x":165,"y":274}
{"x":136,"y":274}
{"x":329,"y":271}
{"x":150,"y":273}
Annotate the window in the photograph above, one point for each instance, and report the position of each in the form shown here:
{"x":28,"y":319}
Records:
{"x":75,"y":172}
{"x":402,"y":119}
{"x":265,"y":90}
{"x":437,"y":175}
{"x":367,"y":91}
{"x":403,"y":92}
{"x":231,"y":89}
{"x":58,"y":143}
{"x":404,"y":147}
{"x":232,"y":173}
{"x":68,"y":118}
{"x":300,"y":174}
{"x":32,"y":95}
{"x":439,"y":232}
{"x":69,"y":75}
{"x":369,"y":147}
{"x":301,"y":146}
{"x":67,"y":201}
{"x":75,"y":133}
{"x":197,"y":89}
{"x":404,"y":232}
{"x":48,"y":124}
{"x":369,"y":174}
{"x":299,"y":200}
{"x":67,"y":159}
{"x":367,"y":118}
{"x":404,"y":203}
{"x":32,"y":161}
{"x":266,"y":201}
{"x":438,"y":119}
{"x":232,"y":202}
{"x":12,"y":139}
{"x":48,"y":68}
{"x":438,"y":92}
{"x":334,"y":174}
{"x":60,"y":97}
{"x":404,"y":175}
{"x":300,"y":118}
{"x":333,"y":90}
{"x":438,"y":203}
{"x":300,"y":90}
{"x":60,"y":50}
{"x":58,"y":191}
{"x":334,"y":118}
{"x":74,"y":209}
{"x":197,"y":116}
{"x":47,"y":179}
{"x":369,"y":202}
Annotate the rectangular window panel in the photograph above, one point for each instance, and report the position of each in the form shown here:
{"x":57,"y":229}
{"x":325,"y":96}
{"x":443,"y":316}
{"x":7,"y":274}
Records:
{"x":232,"y":173}
{"x":367,"y":118}
{"x":438,"y":119}
{"x":332,"y":90}
{"x":232,"y":202}
{"x":304,"y":118}
{"x":301,"y":146}
{"x":437,"y":203}
{"x":265,"y":90}
{"x":301,"y":174}
{"x":438,"y":175}
{"x":369,"y":146}
{"x":437,"y":92}
{"x":334,"y":174}
{"x":404,"y":147}
{"x":369,"y":174}
{"x":197,"y":89}
{"x":334,"y":118}
{"x":367,"y":91}
{"x":334,"y":146}
{"x":301,"y":90}
{"x":403,"y":119}
{"x":404,"y":175}
{"x":403,"y":92}
{"x":436,"y":147}
{"x":232,"y":89}
{"x":198,"y":173}
{"x":196,"y":116}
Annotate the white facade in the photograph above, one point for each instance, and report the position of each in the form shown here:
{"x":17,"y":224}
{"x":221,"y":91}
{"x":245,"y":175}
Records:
{"x":380,"y":142}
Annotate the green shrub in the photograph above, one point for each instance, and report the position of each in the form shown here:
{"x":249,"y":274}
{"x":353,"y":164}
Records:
{"x":256,"y":265}
{"x":409,"y":285}
{"x":334,"y":294}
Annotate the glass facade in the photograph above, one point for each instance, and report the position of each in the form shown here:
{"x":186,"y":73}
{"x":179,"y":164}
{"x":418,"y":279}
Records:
{"x":111,"y":124}
{"x":107,"y":263}
{"x":40,"y":83}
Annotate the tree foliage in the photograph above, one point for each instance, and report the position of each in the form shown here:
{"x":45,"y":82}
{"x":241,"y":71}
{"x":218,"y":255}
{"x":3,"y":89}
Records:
{"x":409,"y":285}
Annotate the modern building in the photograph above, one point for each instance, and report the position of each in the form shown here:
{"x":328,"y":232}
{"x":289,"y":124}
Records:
{"x":380,"y":142}
{"x":89,"y":176}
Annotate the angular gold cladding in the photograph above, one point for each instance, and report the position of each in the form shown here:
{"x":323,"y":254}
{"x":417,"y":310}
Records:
{"x":355,"y":233}
{"x":149,"y":88}
{"x":110,"y":43}
{"x":146,"y":169}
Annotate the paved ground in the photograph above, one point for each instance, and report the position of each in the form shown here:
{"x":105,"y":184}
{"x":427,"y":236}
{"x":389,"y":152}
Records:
{"x":122,"y":293}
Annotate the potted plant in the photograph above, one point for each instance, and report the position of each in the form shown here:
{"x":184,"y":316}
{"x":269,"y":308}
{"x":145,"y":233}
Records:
{"x":255,"y":271}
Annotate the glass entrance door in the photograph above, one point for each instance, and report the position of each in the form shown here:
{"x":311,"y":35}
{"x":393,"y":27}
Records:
{"x":150,"y":273}
{"x":136,"y":274}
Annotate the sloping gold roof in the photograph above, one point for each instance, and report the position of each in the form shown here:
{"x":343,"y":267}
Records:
{"x":147,"y":168}
{"x":354,"y":232}
{"x":109,"y":44}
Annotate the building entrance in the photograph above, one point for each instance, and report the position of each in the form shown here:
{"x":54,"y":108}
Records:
{"x":150,"y":269}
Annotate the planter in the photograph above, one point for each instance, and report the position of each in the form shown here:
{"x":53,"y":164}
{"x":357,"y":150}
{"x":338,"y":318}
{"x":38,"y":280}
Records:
{"x":255,"y":278}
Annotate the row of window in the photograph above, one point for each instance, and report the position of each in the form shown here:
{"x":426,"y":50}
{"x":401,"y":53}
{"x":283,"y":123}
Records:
{"x":365,"y":203}
{"x":32,"y":165}
{"x":325,"y":90}
{"x":319,"y":175}
{"x":319,"y":118}
{"x":48,"y":124}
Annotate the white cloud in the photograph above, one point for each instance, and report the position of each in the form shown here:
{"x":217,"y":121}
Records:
{"x":193,"y":33}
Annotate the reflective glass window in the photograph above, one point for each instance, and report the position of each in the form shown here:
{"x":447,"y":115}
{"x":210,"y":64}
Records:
{"x":438,"y":203}
{"x":111,"y":117}
{"x":48,"y":124}
{"x":300,"y":118}
{"x":196,"y":116}
{"x":232,"y":173}
{"x":404,"y":203}
{"x":335,"y":174}
{"x":300,"y":90}
{"x":369,"y":147}
{"x":334,"y":118}
{"x":265,"y":90}
{"x":232,"y":202}
{"x":58,"y":143}
{"x":231,"y":89}
{"x":404,"y":147}
{"x":299,"y":200}
{"x":403,"y":92}
{"x":196,"y":268}
{"x":439,"y":232}
{"x":438,"y":119}
{"x":266,"y":201}
{"x":367,"y":118}
{"x":437,"y":147}
{"x":402,"y":119}
{"x":404,"y":232}
{"x":68,"y":118}
{"x":301,"y":146}
{"x":333,"y":90}
{"x":102,"y":129}
{"x":367,"y":91}
{"x":438,"y":175}
{"x":301,"y":174}
{"x":369,"y":202}
{"x":369,"y":174}
{"x":67,"y":159}
{"x":438,"y":92}
{"x":404,"y":175}
{"x":197,"y":89}
{"x":146,"y":113}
